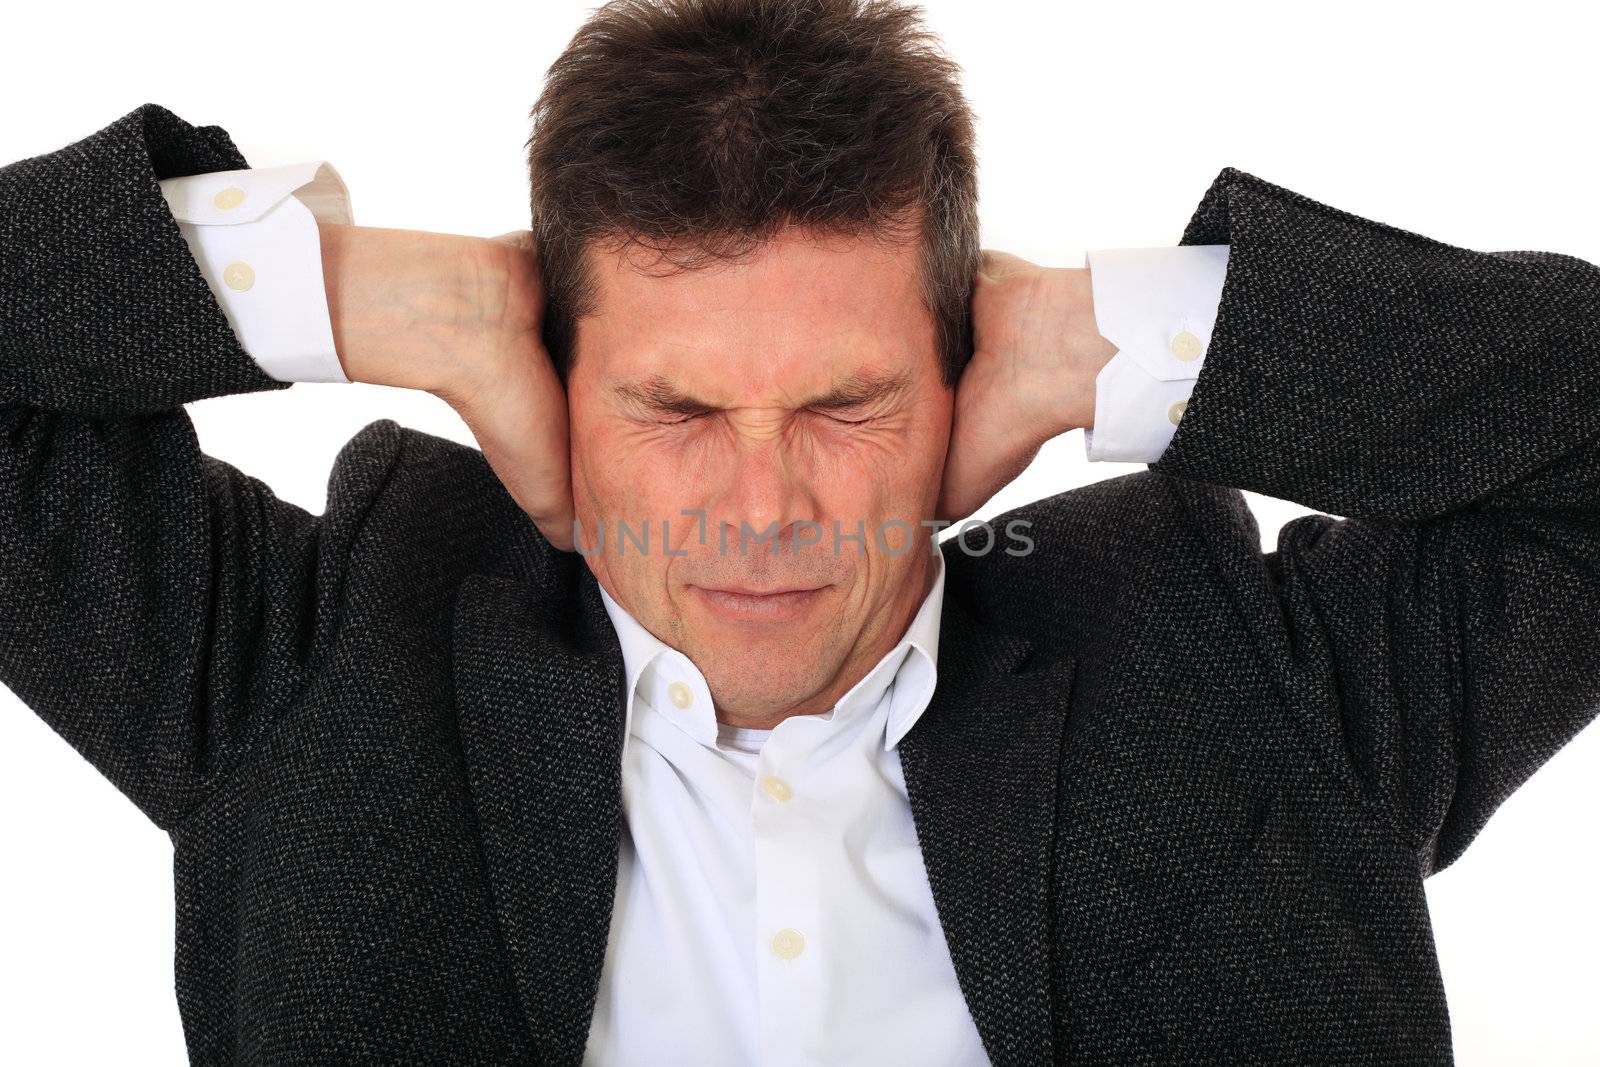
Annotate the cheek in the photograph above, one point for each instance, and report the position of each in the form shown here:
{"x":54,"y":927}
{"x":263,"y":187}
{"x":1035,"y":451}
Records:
{"x":606,"y":478}
{"x":882,"y":475}
{"x":901,"y":460}
{"x":620,"y":476}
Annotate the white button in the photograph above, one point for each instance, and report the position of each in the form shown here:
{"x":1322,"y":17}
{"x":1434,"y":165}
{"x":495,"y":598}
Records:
{"x":228,"y":198}
{"x":787,"y":944}
{"x":1186,"y":346}
{"x":1175,"y":412}
{"x":680,"y":694}
{"x":776,"y":788}
{"x":239,"y":275}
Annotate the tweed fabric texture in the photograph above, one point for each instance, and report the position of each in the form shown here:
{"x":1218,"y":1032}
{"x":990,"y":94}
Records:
{"x":1176,"y":797}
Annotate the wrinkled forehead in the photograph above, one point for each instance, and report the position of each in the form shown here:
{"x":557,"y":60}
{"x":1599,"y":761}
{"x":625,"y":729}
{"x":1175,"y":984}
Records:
{"x":795,"y":314}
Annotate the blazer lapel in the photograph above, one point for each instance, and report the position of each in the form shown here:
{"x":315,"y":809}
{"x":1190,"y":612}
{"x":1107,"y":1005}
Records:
{"x":539,"y":680}
{"x":981,"y":767}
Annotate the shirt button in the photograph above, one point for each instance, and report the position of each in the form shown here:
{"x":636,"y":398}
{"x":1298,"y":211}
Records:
{"x":1175,"y":412}
{"x":787,"y":944}
{"x":776,"y":788}
{"x":1185,"y":346}
{"x":228,"y":198}
{"x":239,"y":276}
{"x":680,"y":694}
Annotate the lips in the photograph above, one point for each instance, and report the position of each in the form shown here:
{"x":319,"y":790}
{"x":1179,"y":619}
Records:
{"x":753,"y":604}
{"x":750,"y":590}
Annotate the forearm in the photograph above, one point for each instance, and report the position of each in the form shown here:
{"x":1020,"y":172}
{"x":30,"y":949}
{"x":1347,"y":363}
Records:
{"x":146,"y":589}
{"x":419,"y":310}
{"x":1366,"y":371}
{"x":102,"y":310}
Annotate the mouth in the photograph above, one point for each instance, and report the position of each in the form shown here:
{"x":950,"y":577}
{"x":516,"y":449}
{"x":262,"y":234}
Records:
{"x":750,"y":604}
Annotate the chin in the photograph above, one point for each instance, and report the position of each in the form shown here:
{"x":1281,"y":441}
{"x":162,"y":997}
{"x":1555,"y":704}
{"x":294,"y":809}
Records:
{"x":766,"y":697}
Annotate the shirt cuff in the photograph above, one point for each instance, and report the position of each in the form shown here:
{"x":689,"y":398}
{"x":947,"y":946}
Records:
{"x":1158,"y":306}
{"x":253,"y":234}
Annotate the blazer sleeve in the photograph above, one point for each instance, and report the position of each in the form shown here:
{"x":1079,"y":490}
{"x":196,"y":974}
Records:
{"x":157,"y":606}
{"x":1443,"y":405}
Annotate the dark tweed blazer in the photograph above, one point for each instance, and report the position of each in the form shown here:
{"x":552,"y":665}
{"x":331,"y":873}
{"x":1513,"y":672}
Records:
{"x":1176,"y":798}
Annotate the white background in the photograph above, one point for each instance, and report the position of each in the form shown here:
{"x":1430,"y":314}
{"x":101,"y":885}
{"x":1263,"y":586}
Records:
{"x":1100,"y":124}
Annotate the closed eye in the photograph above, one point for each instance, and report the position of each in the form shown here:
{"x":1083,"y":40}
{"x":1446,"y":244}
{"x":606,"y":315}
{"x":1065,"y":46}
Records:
{"x":683,"y":418}
{"x":679,"y":420}
{"x":847,"y":420}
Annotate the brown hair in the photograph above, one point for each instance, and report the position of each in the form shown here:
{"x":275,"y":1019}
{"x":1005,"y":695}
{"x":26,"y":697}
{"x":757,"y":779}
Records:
{"x":699,"y":128}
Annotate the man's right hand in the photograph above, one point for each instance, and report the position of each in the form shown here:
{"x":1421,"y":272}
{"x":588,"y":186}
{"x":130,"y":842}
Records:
{"x":459,"y":317}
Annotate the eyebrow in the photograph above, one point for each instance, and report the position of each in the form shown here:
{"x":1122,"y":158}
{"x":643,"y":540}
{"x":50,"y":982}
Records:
{"x":657,"y":393}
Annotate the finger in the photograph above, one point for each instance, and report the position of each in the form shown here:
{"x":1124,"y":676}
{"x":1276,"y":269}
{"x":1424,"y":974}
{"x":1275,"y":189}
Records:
{"x":971,"y":482}
{"x":995,"y":264}
{"x":522,"y":241}
{"x":954,"y":502}
{"x":520,"y":238}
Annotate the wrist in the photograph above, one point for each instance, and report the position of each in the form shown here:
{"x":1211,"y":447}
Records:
{"x":1089,"y":352}
{"x":409,"y":307}
{"x":1064,"y":382}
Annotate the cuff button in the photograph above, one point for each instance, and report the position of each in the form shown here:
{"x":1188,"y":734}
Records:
{"x":228,"y":198}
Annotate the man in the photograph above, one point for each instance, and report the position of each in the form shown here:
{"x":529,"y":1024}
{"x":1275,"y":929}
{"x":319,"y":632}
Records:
{"x":660,"y":730}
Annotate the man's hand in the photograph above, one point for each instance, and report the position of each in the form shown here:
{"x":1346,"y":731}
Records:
{"x":1036,"y":352}
{"x":459,"y":317}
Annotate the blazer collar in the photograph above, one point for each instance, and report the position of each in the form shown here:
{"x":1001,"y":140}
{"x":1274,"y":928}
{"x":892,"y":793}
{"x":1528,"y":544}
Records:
{"x":540,"y":686}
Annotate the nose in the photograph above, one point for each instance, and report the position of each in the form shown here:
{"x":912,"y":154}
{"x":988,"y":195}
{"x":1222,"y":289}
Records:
{"x":764,"y":495}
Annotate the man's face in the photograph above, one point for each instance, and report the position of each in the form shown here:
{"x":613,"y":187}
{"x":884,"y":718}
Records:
{"x":794,"y":394}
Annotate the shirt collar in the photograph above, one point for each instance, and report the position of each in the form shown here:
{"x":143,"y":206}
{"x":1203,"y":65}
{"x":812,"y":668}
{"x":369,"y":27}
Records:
{"x":907,"y":673}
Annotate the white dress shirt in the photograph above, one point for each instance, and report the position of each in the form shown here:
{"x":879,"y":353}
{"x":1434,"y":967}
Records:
{"x":771,"y":902}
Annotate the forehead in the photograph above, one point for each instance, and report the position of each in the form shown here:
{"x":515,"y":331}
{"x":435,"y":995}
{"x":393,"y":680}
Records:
{"x":800,"y":311}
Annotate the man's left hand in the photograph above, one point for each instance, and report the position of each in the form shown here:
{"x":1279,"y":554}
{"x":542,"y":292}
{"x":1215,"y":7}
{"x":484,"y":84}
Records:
{"x":1036,"y":352}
